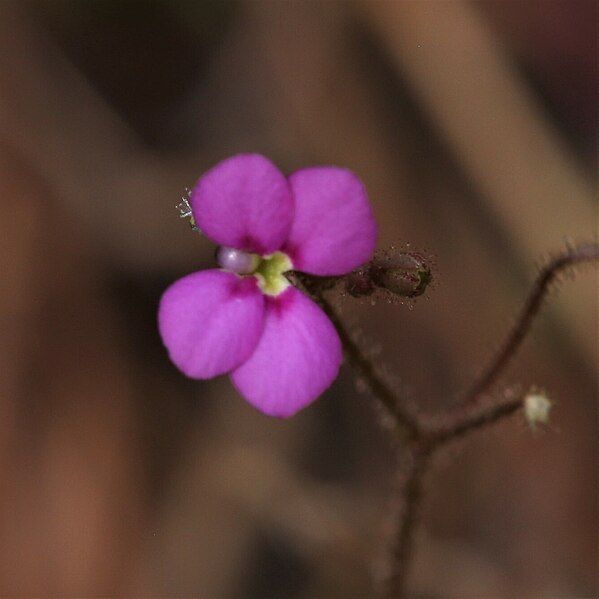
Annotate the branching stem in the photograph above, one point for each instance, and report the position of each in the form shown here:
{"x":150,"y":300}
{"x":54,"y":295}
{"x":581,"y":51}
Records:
{"x":422,"y":436}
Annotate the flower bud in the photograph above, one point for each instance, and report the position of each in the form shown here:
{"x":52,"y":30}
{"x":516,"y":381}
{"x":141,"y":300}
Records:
{"x":406,"y":274}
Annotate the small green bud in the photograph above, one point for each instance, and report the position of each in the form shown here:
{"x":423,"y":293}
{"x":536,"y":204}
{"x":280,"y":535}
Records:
{"x":536,"y":408}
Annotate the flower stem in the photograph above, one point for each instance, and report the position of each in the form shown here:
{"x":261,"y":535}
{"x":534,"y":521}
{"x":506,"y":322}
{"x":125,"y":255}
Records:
{"x":406,"y":423}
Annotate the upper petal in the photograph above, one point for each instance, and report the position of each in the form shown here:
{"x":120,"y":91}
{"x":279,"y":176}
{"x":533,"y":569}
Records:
{"x":244,"y":202}
{"x":296,"y":359}
{"x":211,"y":321}
{"x":333,"y":229}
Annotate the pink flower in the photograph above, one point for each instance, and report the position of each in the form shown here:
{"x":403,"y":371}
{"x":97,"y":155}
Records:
{"x":245,"y":318}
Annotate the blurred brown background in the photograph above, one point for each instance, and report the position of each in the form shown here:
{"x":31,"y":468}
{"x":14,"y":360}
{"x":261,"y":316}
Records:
{"x":474,"y":127}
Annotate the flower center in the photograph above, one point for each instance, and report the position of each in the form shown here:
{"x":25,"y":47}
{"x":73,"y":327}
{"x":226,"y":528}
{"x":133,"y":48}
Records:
{"x":271,"y":273}
{"x":269,"y":270}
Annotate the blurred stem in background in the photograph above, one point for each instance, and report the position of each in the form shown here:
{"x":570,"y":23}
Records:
{"x":490,"y":119}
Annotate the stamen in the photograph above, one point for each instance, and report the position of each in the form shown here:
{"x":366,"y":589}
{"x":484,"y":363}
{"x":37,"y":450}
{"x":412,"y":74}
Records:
{"x":184,"y":208}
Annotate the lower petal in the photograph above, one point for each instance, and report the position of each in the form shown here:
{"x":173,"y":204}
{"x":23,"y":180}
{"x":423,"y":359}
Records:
{"x":296,"y":359}
{"x":211,"y":321}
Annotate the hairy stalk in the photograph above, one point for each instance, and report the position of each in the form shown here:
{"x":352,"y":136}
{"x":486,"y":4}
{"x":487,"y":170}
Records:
{"x":583,"y":253}
{"x":405,"y":422}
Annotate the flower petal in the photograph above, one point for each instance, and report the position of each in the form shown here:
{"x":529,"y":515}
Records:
{"x":244,"y":202}
{"x":333,"y":229}
{"x":211,"y":321}
{"x":296,"y":359}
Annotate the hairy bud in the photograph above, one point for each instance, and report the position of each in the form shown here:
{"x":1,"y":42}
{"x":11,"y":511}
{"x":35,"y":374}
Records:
{"x":406,"y":274}
{"x":391,"y":274}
